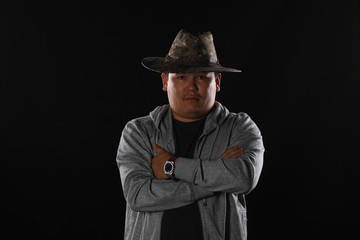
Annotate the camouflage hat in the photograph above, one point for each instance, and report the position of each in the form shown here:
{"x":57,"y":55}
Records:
{"x":188,"y":53}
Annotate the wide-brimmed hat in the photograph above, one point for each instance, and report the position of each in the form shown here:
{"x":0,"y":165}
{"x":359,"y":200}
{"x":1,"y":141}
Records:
{"x":188,"y":53}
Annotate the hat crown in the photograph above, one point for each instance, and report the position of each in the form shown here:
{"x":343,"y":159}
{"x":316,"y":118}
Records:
{"x":193,"y":48}
{"x":188,"y":53}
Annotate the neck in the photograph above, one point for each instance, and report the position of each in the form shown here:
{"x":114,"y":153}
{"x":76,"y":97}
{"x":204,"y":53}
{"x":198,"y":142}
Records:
{"x":186,"y":119}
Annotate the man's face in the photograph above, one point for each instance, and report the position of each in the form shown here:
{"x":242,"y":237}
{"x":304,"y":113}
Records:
{"x":191,"y":95}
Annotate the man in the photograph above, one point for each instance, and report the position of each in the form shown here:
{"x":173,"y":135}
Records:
{"x":186,"y":167}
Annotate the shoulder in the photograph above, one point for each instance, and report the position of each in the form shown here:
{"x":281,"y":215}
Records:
{"x":243,"y":123}
{"x":147,"y":123}
{"x":140,"y":121}
{"x":239,"y":118}
{"x":140,"y":124}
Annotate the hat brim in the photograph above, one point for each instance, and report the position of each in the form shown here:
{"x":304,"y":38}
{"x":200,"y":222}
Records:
{"x":158,"y":64}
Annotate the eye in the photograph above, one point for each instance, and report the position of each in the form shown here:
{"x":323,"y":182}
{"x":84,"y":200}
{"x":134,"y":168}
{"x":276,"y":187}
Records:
{"x":181,"y":77}
{"x":202,"y":77}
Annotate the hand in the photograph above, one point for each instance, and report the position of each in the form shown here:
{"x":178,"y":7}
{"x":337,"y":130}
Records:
{"x":158,"y":162}
{"x":232,"y":153}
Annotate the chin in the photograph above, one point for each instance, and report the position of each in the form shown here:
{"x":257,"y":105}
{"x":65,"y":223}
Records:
{"x":195,"y":115}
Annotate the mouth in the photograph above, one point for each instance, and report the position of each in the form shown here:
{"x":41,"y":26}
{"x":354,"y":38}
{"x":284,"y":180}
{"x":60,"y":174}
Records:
{"x":191,"y":98}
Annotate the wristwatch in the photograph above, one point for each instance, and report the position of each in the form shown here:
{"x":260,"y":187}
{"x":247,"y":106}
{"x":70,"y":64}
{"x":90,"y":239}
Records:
{"x":169,"y":167}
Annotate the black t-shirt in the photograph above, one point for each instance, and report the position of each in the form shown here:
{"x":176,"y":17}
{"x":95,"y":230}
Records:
{"x":184,"y":222}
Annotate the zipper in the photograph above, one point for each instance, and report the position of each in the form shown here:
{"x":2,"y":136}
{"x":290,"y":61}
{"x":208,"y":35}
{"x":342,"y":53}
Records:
{"x":198,"y":149}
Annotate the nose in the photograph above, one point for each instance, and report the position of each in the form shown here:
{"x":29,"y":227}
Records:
{"x":192,"y":84}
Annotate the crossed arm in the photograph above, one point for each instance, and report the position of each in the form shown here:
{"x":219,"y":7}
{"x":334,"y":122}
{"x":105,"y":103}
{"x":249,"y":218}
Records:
{"x":235,"y":171}
{"x":157,"y":163}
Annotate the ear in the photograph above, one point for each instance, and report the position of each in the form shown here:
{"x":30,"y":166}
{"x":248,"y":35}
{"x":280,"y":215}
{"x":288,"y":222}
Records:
{"x":218,"y":81}
{"x":165,"y":80}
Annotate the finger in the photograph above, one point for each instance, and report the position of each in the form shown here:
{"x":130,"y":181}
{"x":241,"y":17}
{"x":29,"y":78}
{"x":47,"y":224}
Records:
{"x":232,"y":150}
{"x":158,"y":149}
{"x":225,"y":154}
{"x":234,"y":153}
{"x":238,"y":154}
{"x":236,"y":149}
{"x":228,"y":152}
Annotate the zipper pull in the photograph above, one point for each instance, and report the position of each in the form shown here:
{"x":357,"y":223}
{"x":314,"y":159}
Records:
{"x":204,"y":202}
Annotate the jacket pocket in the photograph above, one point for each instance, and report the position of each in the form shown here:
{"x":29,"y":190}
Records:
{"x":241,"y":218}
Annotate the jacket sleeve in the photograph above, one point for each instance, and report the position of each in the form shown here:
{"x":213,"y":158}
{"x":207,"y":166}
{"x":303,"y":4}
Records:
{"x":142,"y":191}
{"x":228,"y":175}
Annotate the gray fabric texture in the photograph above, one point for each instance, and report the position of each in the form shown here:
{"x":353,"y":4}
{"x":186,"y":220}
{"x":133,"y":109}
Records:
{"x":218,"y":185}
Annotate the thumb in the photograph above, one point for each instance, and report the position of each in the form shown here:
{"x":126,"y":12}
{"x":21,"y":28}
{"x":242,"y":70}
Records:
{"x":158,"y":149}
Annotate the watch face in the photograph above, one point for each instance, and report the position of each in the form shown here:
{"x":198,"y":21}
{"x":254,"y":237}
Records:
{"x":168,"y":167}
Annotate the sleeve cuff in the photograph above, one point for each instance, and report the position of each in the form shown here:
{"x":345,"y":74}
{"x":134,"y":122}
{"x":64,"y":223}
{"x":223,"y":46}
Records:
{"x":184,"y":169}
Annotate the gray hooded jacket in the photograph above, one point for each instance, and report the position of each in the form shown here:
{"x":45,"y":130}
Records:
{"x":218,"y":185}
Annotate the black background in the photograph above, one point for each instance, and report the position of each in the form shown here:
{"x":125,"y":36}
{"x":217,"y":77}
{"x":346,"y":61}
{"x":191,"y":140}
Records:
{"x":71,"y":78}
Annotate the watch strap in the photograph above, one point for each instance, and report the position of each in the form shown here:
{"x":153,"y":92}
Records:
{"x":172,"y":159}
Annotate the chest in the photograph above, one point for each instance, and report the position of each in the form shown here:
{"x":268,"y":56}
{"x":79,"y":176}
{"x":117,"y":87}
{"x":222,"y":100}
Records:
{"x":207,"y":145}
{"x":212,"y":145}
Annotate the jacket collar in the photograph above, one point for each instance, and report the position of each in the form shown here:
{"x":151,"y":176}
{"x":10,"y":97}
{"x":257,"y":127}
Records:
{"x":162,"y":118}
{"x":215,"y":117}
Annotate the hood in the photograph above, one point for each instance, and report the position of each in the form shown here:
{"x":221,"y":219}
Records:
{"x":216,"y":116}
